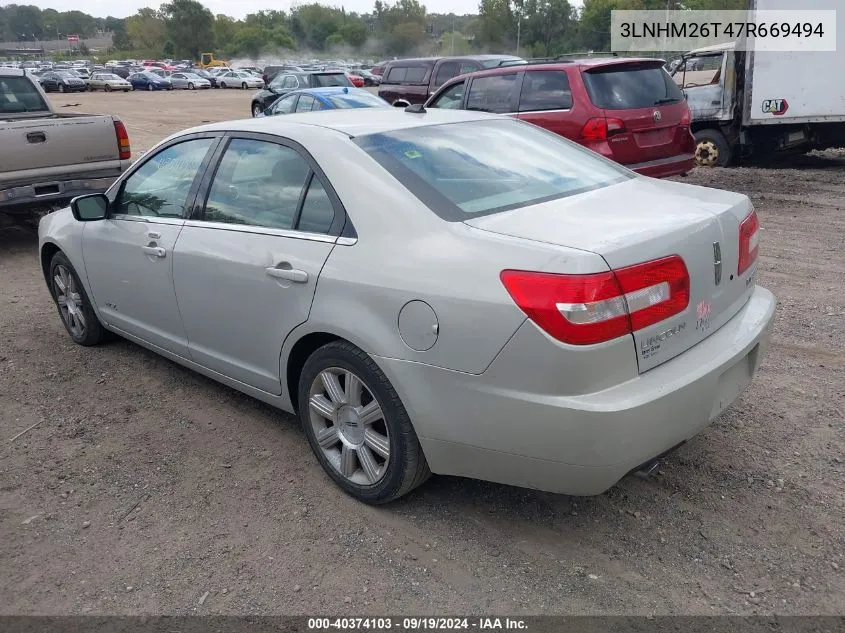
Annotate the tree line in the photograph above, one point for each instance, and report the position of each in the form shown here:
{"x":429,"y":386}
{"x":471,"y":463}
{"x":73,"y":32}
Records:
{"x":186,"y":28}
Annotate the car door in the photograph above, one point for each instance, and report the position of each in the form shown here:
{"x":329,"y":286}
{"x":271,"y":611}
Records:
{"x":129,"y":255}
{"x":545,"y":100}
{"x":305,"y":103}
{"x":494,"y":93}
{"x":285,"y":105}
{"x":246,"y":264}
{"x":449,"y":98}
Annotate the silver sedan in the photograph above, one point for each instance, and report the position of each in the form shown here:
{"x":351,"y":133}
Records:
{"x":189,"y":81}
{"x":509,"y":306}
{"x":239,"y":79}
{"x":107,"y":82}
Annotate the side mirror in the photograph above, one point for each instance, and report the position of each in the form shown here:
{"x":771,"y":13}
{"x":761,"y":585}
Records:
{"x":89,"y":208}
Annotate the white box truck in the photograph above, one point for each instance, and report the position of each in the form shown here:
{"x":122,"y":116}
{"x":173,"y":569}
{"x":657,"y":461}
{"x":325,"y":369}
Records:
{"x":756,"y":103}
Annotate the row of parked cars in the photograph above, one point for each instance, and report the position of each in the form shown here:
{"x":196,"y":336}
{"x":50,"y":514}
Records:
{"x":626,"y":109}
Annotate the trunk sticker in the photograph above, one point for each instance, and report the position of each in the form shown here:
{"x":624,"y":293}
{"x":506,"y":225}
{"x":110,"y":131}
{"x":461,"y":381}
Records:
{"x":703,"y":311}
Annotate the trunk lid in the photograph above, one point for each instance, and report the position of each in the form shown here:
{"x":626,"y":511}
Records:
{"x":641,"y":220}
{"x":650,"y":106}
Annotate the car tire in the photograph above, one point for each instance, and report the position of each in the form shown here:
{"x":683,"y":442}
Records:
{"x":243,"y":86}
{"x":191,"y":86}
{"x":712,"y":149}
{"x":126,"y":89}
{"x":107,"y":88}
{"x":67,"y":290}
{"x":375,"y":461}
{"x":150,"y":87}
{"x":256,"y":109}
{"x":222,"y":84}
{"x":61,"y":87}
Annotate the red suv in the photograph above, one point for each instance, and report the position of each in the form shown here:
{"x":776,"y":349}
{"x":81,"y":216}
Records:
{"x":628,"y":110}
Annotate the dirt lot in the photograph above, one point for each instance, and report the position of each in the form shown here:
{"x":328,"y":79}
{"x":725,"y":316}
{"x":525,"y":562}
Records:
{"x":145,"y":487}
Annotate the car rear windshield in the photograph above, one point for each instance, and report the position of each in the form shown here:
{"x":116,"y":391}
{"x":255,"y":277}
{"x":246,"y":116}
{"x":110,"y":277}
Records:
{"x":327,"y":80}
{"x":463,"y":170}
{"x":360,"y":99}
{"x":18,"y":94}
{"x":627,"y":87}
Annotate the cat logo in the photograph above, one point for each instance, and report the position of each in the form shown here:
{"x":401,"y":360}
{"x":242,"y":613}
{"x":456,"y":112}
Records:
{"x":775,"y":106}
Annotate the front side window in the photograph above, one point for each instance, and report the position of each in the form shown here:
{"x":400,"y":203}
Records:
{"x":285,"y":105}
{"x":463,"y":170}
{"x":446,"y":71}
{"x":492,"y":94}
{"x":451,"y":98}
{"x":305,"y":103}
{"x":18,"y":94}
{"x":545,"y":90}
{"x":160,"y":187}
{"x":699,"y":71}
{"x":257,"y":184}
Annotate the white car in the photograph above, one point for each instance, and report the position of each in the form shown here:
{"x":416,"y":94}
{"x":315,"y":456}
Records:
{"x":239,"y":79}
{"x":107,"y":82}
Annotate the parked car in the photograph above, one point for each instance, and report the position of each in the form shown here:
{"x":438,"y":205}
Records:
{"x":47,"y":157}
{"x":288,"y":82}
{"x":369,"y":78}
{"x":628,"y":110}
{"x":408,"y":81}
{"x":356,"y":80}
{"x":311,"y":99}
{"x":270,"y":72}
{"x":378,"y":69}
{"x":108,"y":82}
{"x":149,"y":81}
{"x":61,"y":81}
{"x":189,"y":81}
{"x":210,"y":78}
{"x":120,"y":70}
{"x":239,"y":79}
{"x":582,"y":301}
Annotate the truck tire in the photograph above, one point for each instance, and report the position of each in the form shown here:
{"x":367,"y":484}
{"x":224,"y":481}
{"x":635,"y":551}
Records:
{"x":712,"y":149}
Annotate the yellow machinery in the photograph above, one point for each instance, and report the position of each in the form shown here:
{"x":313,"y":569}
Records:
{"x":207,"y":61}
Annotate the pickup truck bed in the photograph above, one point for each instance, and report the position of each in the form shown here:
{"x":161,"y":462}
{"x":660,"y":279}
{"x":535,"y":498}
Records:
{"x":47,"y":158}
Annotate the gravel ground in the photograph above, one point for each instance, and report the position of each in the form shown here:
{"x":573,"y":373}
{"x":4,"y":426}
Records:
{"x":146,"y":489}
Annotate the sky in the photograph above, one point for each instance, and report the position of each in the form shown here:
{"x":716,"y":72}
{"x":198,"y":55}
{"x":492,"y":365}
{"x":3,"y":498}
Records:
{"x":238,"y":9}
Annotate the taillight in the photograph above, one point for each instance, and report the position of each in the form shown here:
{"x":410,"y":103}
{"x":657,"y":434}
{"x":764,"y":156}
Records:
{"x":122,"y":140}
{"x":749,"y":240}
{"x":599,"y":128}
{"x":686,"y":117}
{"x":588,"y":309}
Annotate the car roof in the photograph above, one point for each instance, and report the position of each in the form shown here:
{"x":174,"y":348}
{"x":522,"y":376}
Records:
{"x":331,"y":90}
{"x":350,"y":122}
{"x":716,"y":48}
{"x":7,"y":71}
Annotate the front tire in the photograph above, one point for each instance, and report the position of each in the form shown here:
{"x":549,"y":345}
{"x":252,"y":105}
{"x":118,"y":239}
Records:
{"x":256,"y":109}
{"x":357,"y":426}
{"x":61,"y":87}
{"x":107,"y":88}
{"x":712,"y":149}
{"x":150,"y":87}
{"x":243,"y":86}
{"x":73,"y":304}
{"x":191,"y":86}
{"x":222,"y":84}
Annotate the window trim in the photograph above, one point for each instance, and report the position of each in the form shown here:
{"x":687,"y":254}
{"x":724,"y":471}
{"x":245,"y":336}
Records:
{"x":341,"y":225}
{"x":116,"y":190}
{"x":296,"y":107}
{"x":447,"y":86}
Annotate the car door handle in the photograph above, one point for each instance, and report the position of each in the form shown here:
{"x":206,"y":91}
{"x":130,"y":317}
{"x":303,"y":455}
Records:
{"x":289,"y":274}
{"x":155,"y":251}
{"x":36,"y":137}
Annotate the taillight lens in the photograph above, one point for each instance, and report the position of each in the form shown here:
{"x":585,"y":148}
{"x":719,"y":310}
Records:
{"x":599,"y":128}
{"x":122,"y":140}
{"x":686,"y":117}
{"x":749,"y":240}
{"x":588,"y":309}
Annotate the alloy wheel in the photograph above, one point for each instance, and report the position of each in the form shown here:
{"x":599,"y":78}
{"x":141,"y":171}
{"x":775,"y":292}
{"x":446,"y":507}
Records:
{"x":70,"y":301}
{"x":706,"y":154}
{"x":349,"y":426}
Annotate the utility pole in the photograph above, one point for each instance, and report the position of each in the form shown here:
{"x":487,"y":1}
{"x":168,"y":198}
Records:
{"x":518,"y":29}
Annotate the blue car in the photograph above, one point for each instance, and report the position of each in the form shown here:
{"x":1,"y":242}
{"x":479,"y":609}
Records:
{"x":334,"y":98}
{"x":149,"y":81}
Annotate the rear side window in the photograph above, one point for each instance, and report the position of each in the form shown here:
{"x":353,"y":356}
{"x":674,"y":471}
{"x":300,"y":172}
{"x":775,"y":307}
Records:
{"x":331,"y":79}
{"x":492,"y":94}
{"x":451,"y":98}
{"x":446,"y":71}
{"x":629,"y":87}
{"x":545,"y":90}
{"x":406,"y":74}
{"x":18,"y":94}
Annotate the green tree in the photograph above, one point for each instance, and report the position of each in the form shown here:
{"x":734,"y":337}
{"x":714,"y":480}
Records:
{"x":225,"y":30}
{"x":146,"y":31}
{"x":454,"y":44}
{"x":250,"y":40}
{"x":282,"y":38}
{"x":335,"y":40}
{"x":24,"y":22}
{"x":497,"y":25}
{"x":354,"y":33}
{"x":189,"y":26}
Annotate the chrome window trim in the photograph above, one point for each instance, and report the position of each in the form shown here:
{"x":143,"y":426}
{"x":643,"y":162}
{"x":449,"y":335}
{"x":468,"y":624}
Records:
{"x":346,"y":241}
{"x":263,"y":230}
{"x":542,"y":111}
{"x":146,"y":218}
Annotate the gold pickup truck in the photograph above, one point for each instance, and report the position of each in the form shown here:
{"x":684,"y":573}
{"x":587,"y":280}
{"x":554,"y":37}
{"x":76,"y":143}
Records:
{"x":48,"y":158}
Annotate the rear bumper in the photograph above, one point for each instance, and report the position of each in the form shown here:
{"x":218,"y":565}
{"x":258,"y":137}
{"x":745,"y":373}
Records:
{"x":54,"y":191}
{"x":480,"y":427}
{"x":665,"y":167}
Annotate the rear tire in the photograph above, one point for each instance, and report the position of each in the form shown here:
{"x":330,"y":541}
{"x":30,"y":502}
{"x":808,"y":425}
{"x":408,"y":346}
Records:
{"x":243,"y":86}
{"x":107,"y":88}
{"x":222,"y":84}
{"x":376,"y":431}
{"x":79,"y":319}
{"x":61,"y":87}
{"x":712,"y":149}
{"x":150,"y":87}
{"x":191,"y":86}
